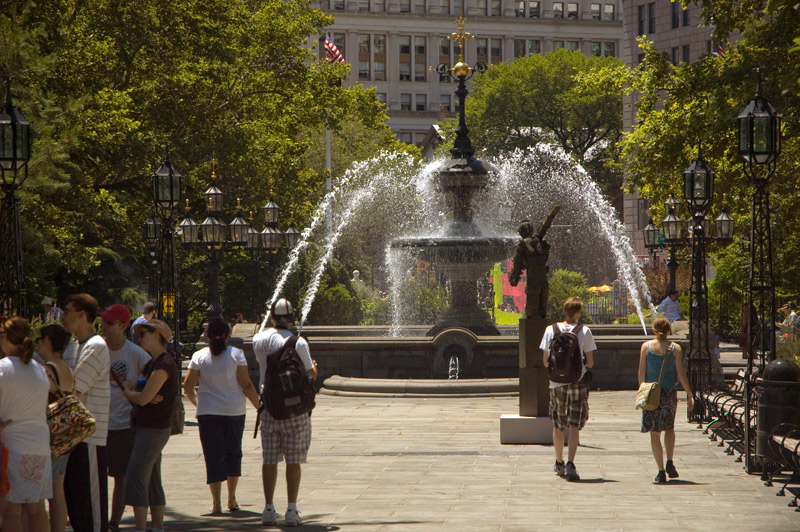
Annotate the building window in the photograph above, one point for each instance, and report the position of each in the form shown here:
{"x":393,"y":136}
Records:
{"x":422,"y":102}
{"x":363,"y":44}
{"x":381,"y":97}
{"x":609,"y":49}
{"x":495,"y":10}
{"x":533,"y":9}
{"x":608,"y":12}
{"x":406,"y":137}
{"x":483,"y":50}
{"x":674,"y":55}
{"x":405,"y":102}
{"x":596,"y":12}
{"x":640,"y":16}
{"x":379,"y":57}
{"x":675,"y":14}
{"x":534,"y":47}
{"x":379,"y":72}
{"x":379,"y":6}
{"x":642,"y":213}
{"x":686,"y":16}
{"x":558,"y":9}
{"x":571,"y":45}
{"x":445,"y":57}
{"x":708,"y":47}
{"x":338,"y":5}
{"x":363,"y":69}
{"x":519,"y":48}
{"x":444,"y":102}
{"x":640,"y":59}
{"x":363,"y":5}
{"x":420,"y":60}
{"x":379,"y":41}
{"x":419,"y":138}
{"x":419,"y":45}
{"x":572,"y":10}
{"x":651,"y":18}
{"x":458,"y":7}
{"x":497,"y":50}
{"x":558,"y":44}
{"x":405,"y":44}
{"x":419,"y":6}
{"x":519,"y":10}
{"x":405,"y":71}
{"x":363,"y":56}
{"x":483,"y":7}
{"x":594,"y":49}
{"x":685,"y":53}
{"x":419,"y":71}
{"x":405,"y":6}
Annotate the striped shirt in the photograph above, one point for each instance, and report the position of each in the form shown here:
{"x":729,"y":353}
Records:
{"x":89,"y":362}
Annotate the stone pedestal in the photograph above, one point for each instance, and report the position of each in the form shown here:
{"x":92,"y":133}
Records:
{"x":533,"y":424}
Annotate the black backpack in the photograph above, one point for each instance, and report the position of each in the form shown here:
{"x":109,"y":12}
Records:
{"x":288,"y":392}
{"x":566,"y":357}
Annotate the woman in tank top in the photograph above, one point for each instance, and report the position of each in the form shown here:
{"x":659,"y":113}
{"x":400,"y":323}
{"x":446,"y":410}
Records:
{"x":662,"y":419}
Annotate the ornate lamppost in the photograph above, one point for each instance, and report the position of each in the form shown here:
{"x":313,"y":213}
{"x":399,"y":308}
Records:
{"x":670,"y":239}
{"x":15,"y":148}
{"x":159,"y":230}
{"x":759,"y":128}
{"x":268,"y":241}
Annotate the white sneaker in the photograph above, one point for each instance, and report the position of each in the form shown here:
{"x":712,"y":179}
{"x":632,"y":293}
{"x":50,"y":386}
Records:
{"x":269,"y":516}
{"x":293,"y":518}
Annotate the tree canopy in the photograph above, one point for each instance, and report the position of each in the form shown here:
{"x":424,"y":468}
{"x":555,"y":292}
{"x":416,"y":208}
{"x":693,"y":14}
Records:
{"x":107,"y":84}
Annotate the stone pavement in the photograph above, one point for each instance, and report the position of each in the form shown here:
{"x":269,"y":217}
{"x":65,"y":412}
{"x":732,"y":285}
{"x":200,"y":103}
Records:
{"x":437,"y":465}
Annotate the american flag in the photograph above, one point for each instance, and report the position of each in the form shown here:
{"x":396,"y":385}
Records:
{"x":719,"y":51}
{"x":334,"y":56}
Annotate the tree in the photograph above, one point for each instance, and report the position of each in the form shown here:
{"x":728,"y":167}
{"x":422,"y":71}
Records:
{"x":107,"y":84}
{"x":563,"y":98}
{"x":563,"y":285}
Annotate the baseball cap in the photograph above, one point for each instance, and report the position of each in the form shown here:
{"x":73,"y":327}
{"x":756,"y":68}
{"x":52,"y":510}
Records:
{"x":47,"y":301}
{"x":154,"y":325}
{"x":117,"y":312}
{"x":282,"y":310}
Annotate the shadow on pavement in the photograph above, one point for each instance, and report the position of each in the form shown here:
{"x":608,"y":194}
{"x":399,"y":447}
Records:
{"x":600,"y":480}
{"x":684,"y":483}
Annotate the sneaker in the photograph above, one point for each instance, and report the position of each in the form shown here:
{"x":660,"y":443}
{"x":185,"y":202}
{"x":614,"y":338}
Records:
{"x":559,"y":468}
{"x":671,"y":471}
{"x":571,"y":473}
{"x":293,"y":518}
{"x":661,"y":478}
{"x":269,"y":516}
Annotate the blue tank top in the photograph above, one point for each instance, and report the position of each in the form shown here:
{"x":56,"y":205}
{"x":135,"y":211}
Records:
{"x":654,"y":362}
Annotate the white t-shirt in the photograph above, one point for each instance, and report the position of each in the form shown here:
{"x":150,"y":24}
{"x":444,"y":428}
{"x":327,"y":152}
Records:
{"x":23,"y":400}
{"x":127,"y":364}
{"x":90,"y":365}
{"x":585,"y":339}
{"x":219,"y":393}
{"x":270,"y":340}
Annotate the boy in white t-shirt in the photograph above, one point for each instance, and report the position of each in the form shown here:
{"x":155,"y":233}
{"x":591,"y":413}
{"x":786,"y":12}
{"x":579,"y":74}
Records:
{"x":127,"y":363}
{"x":569,"y":403}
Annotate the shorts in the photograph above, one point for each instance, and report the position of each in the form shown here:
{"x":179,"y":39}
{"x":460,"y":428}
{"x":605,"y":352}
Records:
{"x":30,"y":476}
{"x":569,"y":405}
{"x":118,"y":451}
{"x":60,"y":466}
{"x":663,"y":417}
{"x":289,"y":438}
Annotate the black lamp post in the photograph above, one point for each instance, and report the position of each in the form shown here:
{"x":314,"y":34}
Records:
{"x":268,"y":241}
{"x":671,"y":239}
{"x":15,"y":146}
{"x":759,"y":128}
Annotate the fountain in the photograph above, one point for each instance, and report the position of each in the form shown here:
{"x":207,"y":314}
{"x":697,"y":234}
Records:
{"x":463,"y":237}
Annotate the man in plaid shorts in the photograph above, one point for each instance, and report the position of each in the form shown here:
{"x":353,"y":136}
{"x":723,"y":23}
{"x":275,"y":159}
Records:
{"x":569,"y":403}
{"x":289,"y":438}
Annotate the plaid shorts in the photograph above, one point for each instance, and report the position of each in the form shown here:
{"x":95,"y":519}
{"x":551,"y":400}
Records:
{"x":569,"y":405}
{"x":288,"y":438}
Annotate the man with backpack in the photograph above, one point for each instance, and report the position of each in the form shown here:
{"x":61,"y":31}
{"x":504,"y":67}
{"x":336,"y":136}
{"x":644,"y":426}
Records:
{"x":284,"y":432}
{"x":567,"y":351}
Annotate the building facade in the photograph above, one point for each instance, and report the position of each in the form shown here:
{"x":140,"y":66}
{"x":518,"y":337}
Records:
{"x":390,"y":44}
{"x":679,"y":33}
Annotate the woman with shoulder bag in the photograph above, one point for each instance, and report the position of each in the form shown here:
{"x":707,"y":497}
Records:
{"x":50,"y":345}
{"x":152,"y":413}
{"x":658,"y":357}
{"x":224,"y":383}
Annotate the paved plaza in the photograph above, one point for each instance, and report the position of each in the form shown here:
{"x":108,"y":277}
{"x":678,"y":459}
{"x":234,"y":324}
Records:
{"x":382,"y":464}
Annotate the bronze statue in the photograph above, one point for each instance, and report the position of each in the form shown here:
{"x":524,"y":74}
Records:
{"x":532,"y":254}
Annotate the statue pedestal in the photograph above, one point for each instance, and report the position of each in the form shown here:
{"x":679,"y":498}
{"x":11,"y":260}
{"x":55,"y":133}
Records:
{"x":533,"y":424}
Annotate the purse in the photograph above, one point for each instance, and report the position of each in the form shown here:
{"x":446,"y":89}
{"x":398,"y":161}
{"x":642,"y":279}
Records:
{"x":69,"y":420}
{"x":648,"y":396}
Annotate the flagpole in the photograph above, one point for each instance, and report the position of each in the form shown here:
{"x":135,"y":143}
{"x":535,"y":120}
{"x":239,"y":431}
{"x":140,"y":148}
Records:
{"x":328,"y":174}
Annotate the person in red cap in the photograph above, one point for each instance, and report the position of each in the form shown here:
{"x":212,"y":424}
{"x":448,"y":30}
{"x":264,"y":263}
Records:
{"x":127,"y":363}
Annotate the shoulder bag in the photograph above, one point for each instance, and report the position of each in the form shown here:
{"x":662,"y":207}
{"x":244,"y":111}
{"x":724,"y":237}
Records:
{"x":69,"y":420}
{"x":648,"y":396}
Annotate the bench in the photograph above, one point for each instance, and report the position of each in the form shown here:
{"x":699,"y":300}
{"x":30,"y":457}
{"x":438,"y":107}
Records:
{"x":727,"y":408}
{"x":785,"y":443}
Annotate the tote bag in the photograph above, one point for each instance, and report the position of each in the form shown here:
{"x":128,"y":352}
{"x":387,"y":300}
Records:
{"x":648,"y":396}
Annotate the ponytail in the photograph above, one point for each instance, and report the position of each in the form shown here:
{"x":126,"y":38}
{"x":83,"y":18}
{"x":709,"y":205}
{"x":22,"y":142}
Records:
{"x":18,"y":334}
{"x":26,"y":350}
{"x":662,"y":328}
